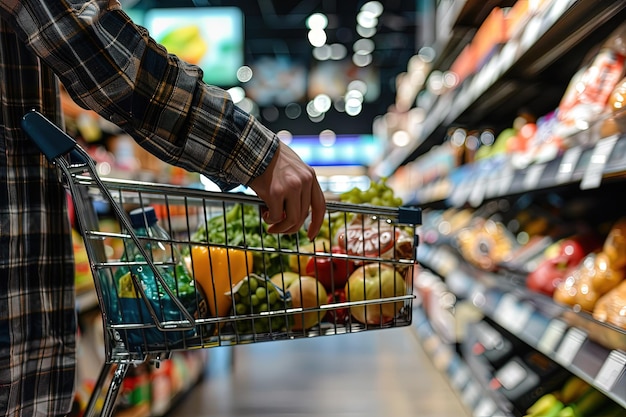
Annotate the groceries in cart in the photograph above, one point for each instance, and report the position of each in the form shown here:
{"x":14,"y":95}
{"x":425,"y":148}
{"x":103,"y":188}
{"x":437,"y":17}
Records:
{"x":179,"y":268}
{"x":237,"y":280}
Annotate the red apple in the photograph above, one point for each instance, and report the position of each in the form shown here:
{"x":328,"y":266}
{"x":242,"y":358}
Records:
{"x":338,"y":315}
{"x":332,"y":271}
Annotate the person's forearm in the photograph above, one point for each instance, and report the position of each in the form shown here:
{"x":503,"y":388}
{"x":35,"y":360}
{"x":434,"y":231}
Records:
{"x":111,"y":66}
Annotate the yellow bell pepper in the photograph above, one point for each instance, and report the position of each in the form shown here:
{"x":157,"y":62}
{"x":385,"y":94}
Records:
{"x":217,"y":271}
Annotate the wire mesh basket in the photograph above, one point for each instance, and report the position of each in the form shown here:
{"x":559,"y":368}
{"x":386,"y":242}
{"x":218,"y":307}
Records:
{"x":184,"y":268}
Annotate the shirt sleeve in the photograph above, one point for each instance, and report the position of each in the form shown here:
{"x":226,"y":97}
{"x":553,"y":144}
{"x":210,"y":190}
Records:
{"x":112,"y":66}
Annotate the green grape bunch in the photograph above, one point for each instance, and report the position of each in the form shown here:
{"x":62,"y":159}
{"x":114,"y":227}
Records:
{"x":378,"y":194}
{"x":255,"y":295}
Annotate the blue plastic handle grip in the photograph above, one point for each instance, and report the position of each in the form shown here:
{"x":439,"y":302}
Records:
{"x":51,"y":140}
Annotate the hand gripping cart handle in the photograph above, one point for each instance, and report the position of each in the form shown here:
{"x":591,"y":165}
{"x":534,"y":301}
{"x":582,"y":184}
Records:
{"x":224,"y":279}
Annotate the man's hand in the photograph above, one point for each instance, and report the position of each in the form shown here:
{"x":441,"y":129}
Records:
{"x":289,"y":188}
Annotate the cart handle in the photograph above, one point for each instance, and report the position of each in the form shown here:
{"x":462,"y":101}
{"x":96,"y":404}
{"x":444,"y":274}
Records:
{"x":51,"y":140}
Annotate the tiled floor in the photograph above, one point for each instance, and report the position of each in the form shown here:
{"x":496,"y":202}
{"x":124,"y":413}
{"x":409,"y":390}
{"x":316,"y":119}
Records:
{"x":372,"y":374}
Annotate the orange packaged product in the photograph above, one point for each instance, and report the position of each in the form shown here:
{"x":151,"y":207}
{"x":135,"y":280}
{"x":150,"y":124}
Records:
{"x":464,"y":64}
{"x":515,"y":18}
{"x":491,"y":34}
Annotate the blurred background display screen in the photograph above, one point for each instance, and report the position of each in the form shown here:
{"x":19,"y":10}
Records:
{"x":278,"y":81}
{"x":210,"y":37}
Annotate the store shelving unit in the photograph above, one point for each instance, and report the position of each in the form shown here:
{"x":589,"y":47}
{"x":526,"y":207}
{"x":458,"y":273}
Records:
{"x":594,"y":351}
{"x":473,"y":392}
{"x":584,"y":167}
{"x":529,"y":72}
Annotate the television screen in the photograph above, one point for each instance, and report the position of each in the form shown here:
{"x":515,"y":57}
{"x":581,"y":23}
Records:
{"x":210,"y":37}
{"x":278,"y":81}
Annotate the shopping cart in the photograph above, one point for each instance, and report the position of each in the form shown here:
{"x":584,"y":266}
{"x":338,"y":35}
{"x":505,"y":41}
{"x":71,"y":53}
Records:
{"x":212,"y":275}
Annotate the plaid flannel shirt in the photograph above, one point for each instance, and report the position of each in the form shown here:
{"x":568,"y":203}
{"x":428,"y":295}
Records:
{"x":113,"y":67}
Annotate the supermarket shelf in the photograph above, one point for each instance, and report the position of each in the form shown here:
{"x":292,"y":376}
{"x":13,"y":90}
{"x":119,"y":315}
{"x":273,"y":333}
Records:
{"x":508,"y":81}
{"x":585,"y":166}
{"x":594,"y":351}
{"x":471,"y":390}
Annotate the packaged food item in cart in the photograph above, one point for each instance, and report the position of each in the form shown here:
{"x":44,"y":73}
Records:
{"x":375,"y":238}
{"x":166,"y":257}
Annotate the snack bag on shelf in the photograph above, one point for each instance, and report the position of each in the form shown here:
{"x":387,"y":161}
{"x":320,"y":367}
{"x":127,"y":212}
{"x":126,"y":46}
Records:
{"x":597,"y":274}
{"x":616,"y":122}
{"x":611,"y":307}
{"x":486,"y":244}
{"x":587,"y":95}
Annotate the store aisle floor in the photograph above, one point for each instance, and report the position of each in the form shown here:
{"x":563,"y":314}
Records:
{"x":371,"y":374}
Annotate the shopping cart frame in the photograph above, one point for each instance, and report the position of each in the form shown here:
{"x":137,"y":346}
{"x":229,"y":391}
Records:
{"x":78,"y":172}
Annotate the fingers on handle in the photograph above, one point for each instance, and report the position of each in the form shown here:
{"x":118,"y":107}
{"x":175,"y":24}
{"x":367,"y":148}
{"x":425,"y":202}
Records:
{"x":318,"y":209}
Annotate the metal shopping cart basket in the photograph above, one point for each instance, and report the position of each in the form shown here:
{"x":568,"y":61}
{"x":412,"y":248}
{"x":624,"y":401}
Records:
{"x":208,"y":274}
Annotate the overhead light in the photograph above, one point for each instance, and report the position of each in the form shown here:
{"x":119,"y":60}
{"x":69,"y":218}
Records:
{"x":373,"y":7}
{"x":311,"y":110}
{"x":358,"y":85}
{"x":322,"y":103}
{"x":400,"y":138}
{"x":353,"y":106}
{"x":354,"y":94}
{"x":317,"y":37}
{"x":365,"y":32}
{"x":361,"y":60}
{"x":244,"y":74}
{"x":322,"y":53}
{"x":338,"y":51}
{"x":317,"y":119}
{"x":317,"y":21}
{"x":367,"y":19}
{"x":270,"y":113}
{"x":293,"y":110}
{"x":363,"y":46}
{"x":327,"y":137}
